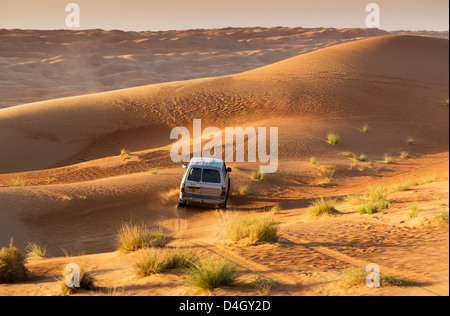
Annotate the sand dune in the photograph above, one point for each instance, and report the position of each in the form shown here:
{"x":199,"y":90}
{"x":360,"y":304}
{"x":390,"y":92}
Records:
{"x":79,"y":189}
{"x":44,"y":65}
{"x":369,"y":79}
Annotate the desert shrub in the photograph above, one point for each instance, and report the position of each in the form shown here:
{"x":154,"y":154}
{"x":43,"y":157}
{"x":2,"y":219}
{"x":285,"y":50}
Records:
{"x":357,"y":277}
{"x":263,"y":286}
{"x":321,"y":207}
{"x":133,"y":237}
{"x":388,"y":159}
{"x":12,"y":265}
{"x":17,"y":182}
{"x":36,"y":250}
{"x":365,"y":128}
{"x":86,"y":278}
{"x":243,"y":190}
{"x":413,"y":210}
{"x":154,"y":261}
{"x":333,"y":139}
{"x":256,"y":175}
{"x":150,"y":262}
{"x":211,"y":274}
{"x":255,"y":229}
{"x":404,"y":155}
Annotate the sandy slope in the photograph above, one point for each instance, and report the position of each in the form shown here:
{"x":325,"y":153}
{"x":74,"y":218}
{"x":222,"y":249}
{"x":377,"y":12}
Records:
{"x":43,"y":65}
{"x":79,"y":189}
{"x":367,"y":80}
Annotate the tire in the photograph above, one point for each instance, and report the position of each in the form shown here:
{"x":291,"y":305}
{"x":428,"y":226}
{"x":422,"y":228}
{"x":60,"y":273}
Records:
{"x":182,"y":203}
{"x":223,"y":205}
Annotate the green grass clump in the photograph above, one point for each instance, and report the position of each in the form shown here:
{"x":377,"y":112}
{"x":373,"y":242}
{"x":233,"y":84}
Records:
{"x":155,"y":261}
{"x":388,"y":159}
{"x":404,"y":155}
{"x":369,"y":208}
{"x":255,"y":229}
{"x":333,"y":139}
{"x":413,"y":210}
{"x":149,"y":263}
{"x":361,"y":157}
{"x":411,"y":141}
{"x":211,"y":274}
{"x":373,"y":201}
{"x":365,"y":128}
{"x":321,"y":207}
{"x":256,"y":175}
{"x":154,"y":171}
{"x":133,"y":237}
{"x":12,"y":265}
{"x":36,"y":250}
{"x":16,"y":183}
{"x":243,"y":190}
{"x":357,"y":277}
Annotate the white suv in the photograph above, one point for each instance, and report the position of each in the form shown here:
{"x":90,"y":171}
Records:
{"x":206,"y":180}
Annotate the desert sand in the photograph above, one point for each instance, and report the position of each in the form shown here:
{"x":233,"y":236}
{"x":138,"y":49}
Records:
{"x":79,"y":190}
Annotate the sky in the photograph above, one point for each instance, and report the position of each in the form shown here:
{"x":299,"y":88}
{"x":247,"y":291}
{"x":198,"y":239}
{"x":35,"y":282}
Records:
{"x":161,"y":15}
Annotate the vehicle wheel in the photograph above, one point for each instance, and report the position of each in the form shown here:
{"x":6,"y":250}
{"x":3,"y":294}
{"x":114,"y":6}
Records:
{"x":223,"y":205}
{"x":182,"y":203}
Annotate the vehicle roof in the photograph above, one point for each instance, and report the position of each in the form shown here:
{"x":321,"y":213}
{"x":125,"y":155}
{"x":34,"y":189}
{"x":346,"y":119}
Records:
{"x":207,"y":162}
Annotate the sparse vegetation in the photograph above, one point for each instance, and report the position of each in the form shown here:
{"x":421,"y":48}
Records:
{"x":263,"y":286}
{"x":36,"y":250}
{"x":253,"y":229}
{"x":361,"y":157}
{"x":321,"y":207}
{"x":154,"y":171}
{"x":388,"y":159}
{"x":256,"y":175}
{"x":413,"y":210}
{"x":124,"y":152}
{"x":133,"y":237}
{"x":411,"y":141}
{"x":150,"y":262}
{"x":211,"y":274}
{"x":12,"y":265}
{"x":372,"y":202}
{"x":86,"y":278}
{"x":243,"y":190}
{"x":437,"y":221}
{"x":333,"y":139}
{"x":17,"y":183}
{"x":154,"y":261}
{"x":365,"y":128}
{"x":357,"y":277}
{"x":404,"y":155}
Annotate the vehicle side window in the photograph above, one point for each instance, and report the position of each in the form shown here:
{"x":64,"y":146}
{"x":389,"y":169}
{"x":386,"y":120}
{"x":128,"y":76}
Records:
{"x":195,"y":174}
{"x":211,"y":176}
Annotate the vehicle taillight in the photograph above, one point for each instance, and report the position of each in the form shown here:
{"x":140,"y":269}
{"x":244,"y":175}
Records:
{"x":224,"y":189}
{"x":182,"y":188}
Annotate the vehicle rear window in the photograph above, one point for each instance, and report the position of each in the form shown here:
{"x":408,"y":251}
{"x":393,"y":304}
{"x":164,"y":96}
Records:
{"x":195,"y":174}
{"x":211,"y":176}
